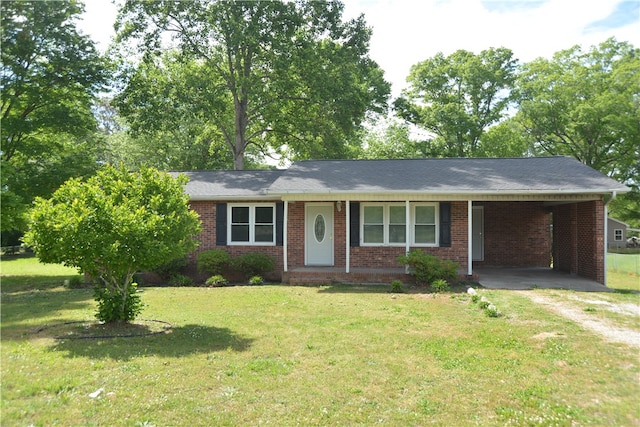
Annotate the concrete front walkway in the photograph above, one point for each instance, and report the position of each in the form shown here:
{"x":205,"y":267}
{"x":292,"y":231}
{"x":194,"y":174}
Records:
{"x":531,"y":278}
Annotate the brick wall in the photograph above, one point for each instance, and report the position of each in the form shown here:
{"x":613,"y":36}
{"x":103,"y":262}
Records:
{"x":207,"y":238}
{"x":579,"y":239}
{"x":369,"y":256}
{"x":516,"y":234}
{"x":564,"y":238}
{"x":361,"y":257}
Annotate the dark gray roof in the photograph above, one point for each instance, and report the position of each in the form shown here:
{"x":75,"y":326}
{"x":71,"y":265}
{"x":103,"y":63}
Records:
{"x":228,"y":184}
{"x":552,"y":175}
{"x":449,"y":175}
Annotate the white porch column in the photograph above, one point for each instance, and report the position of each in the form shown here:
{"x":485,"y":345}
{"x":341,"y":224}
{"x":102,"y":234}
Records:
{"x":347,"y":226}
{"x":285,"y":225}
{"x":470,"y":237}
{"x":407,"y":235}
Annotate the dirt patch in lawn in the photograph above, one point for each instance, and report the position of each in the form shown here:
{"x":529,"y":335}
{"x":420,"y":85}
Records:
{"x":602,"y":327}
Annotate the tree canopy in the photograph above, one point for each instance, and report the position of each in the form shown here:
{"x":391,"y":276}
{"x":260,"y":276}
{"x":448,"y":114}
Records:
{"x":586,"y":105}
{"x":457,"y":97}
{"x":286,"y":77}
{"x":50,"y":74}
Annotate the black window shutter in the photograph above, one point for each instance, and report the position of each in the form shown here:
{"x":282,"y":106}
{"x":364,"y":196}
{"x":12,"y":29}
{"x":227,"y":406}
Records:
{"x":354,"y":224}
{"x":279,"y":223}
{"x":221,"y":224}
{"x":445,"y":224}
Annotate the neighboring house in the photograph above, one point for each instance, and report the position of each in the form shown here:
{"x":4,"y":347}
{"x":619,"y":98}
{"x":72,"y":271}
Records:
{"x":348,"y":220}
{"x":616,"y":233}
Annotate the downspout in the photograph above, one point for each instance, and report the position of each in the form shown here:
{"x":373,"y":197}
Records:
{"x":614,"y":194}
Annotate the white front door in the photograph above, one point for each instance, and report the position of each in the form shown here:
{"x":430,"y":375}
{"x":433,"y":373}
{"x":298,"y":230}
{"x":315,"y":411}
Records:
{"x":318,"y":234}
{"x":477,"y":233}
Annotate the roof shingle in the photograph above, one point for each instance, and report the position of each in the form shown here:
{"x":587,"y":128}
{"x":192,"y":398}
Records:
{"x":443,"y":176}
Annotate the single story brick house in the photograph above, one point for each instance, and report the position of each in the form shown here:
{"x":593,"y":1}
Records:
{"x":348,"y":220}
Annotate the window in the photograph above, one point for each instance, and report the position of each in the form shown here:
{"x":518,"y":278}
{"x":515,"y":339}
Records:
{"x":425,"y":228}
{"x":385,"y":224}
{"x":252,"y":224}
{"x":397,"y":224}
{"x":617,"y":235}
{"x":373,"y":224}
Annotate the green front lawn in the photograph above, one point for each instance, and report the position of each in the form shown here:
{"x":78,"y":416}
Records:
{"x":332,"y":355}
{"x":623,"y":271}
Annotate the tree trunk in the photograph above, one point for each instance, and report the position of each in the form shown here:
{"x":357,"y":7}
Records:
{"x":240,"y":143}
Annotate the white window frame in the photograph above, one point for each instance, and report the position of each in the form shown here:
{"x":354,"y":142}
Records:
{"x":436,"y":207}
{"x":617,"y":234}
{"x":385,"y":224}
{"x":252,"y":223}
{"x":386,"y":216}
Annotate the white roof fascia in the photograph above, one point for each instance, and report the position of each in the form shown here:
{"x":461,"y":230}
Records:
{"x":233,"y":198}
{"x":434,"y":196}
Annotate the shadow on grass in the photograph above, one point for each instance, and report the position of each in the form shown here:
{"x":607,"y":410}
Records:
{"x":13,"y":284}
{"x":22,"y":310}
{"x":177,"y":342}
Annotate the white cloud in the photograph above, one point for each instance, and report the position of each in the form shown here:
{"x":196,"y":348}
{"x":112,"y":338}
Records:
{"x":408,"y":31}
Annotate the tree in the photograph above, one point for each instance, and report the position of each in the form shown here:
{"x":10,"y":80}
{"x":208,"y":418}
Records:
{"x":505,"y":139}
{"x":288,"y":77}
{"x":586,"y":105}
{"x":457,"y":97}
{"x":49,"y":76}
{"x":391,"y":139}
{"x":112,"y":225}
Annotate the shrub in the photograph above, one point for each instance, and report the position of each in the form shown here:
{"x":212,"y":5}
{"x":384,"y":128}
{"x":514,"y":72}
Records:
{"x":440,"y":285}
{"x":180,"y":280}
{"x":114,"y":307}
{"x":475,"y":298}
{"x":492,"y":311}
{"x":171,"y":268}
{"x":484,"y":303}
{"x":253,"y":264}
{"x":256,"y":280}
{"x":396,"y":287}
{"x":213,"y":261}
{"x":74,"y":282}
{"x":428,"y":268}
{"x":216,"y":281}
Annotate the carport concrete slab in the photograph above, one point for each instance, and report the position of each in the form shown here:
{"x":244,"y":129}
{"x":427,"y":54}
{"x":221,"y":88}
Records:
{"x":531,"y":278}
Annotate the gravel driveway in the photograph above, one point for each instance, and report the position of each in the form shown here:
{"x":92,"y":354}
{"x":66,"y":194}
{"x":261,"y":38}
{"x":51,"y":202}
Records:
{"x":603,"y":327}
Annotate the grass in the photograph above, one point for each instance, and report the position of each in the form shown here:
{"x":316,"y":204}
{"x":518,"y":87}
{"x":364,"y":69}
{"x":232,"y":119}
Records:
{"x":20,"y":272}
{"x":623,"y":271}
{"x":330,"y":355}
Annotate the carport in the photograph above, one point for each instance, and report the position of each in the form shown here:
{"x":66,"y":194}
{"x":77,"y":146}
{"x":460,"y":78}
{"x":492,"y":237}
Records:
{"x":563,"y":231}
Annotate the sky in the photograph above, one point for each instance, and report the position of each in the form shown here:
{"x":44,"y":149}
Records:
{"x":406,"y":32}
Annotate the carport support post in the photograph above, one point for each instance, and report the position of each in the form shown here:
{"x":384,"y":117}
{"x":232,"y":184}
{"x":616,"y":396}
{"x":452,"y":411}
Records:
{"x":469,"y":238}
